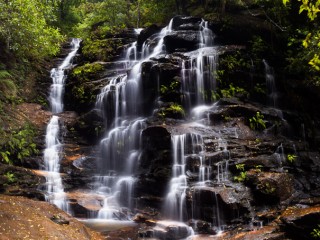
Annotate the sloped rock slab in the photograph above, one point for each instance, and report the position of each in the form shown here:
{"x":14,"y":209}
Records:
{"x":299,"y":222}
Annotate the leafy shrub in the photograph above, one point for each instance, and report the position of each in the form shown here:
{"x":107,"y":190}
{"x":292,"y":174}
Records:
{"x":316,"y":232}
{"x":257,"y":122}
{"x":242,"y":174}
{"x":291,"y":158}
{"x":19,"y":145}
{"x":233,"y":91}
{"x":87,"y":72}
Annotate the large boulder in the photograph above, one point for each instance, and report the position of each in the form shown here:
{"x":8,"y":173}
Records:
{"x":182,"y":40}
{"x":219,"y":205}
{"x":186,"y":23}
{"x":298,"y":222}
{"x":273,"y":186}
{"x":146,"y":33}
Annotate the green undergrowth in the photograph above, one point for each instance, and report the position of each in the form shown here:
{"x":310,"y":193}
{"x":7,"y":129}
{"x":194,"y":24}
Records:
{"x":87,"y":72}
{"x":100,"y":49}
{"x":174,"y":110}
{"x":18,"y":144}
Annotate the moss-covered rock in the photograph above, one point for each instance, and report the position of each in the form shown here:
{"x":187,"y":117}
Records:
{"x":80,"y":94}
{"x":100,"y":49}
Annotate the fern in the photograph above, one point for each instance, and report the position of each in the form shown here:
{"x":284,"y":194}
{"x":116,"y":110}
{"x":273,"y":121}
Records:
{"x":8,"y":88}
{"x":4,"y":74}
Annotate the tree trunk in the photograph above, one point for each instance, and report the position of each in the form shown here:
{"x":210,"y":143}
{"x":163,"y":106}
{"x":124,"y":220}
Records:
{"x":223,"y":6}
{"x":139,"y":14}
{"x":177,"y":6}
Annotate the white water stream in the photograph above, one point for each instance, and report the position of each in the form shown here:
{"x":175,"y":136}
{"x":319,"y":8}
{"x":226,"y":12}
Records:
{"x":52,"y":153}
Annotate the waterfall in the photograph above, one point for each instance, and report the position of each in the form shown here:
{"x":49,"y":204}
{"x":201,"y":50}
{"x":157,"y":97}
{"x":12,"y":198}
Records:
{"x":120,"y":103}
{"x":52,"y":153}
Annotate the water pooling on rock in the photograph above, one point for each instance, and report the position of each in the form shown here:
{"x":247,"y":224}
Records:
{"x":52,"y":153}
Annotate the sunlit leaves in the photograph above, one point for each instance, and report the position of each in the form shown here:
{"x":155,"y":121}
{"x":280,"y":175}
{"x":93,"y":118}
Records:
{"x":24,"y":28}
{"x":312,"y":7}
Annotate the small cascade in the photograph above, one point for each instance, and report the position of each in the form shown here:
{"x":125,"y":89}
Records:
{"x":280,"y":156}
{"x":223,"y":166}
{"x":175,"y":200}
{"x":272,"y":93}
{"x":185,"y":146}
{"x":198,"y":79}
{"x":58,"y":79}
{"x":206,"y":35}
{"x":52,"y":157}
{"x":52,"y":153}
{"x":121,"y":149}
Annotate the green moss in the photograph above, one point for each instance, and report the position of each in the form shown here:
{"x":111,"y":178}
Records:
{"x":8,"y":88}
{"x":83,"y":95}
{"x":233,"y":91}
{"x":174,"y":110}
{"x":100,"y":50}
{"x":87,"y":72}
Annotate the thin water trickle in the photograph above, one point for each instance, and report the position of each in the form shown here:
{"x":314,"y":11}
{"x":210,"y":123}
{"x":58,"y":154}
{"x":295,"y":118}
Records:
{"x":272,"y":93}
{"x":52,"y":153}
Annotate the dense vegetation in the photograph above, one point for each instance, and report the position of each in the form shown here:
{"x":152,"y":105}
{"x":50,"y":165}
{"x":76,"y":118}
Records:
{"x":31,"y":32}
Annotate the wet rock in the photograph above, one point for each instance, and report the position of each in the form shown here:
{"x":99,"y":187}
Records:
{"x":156,"y":138}
{"x":90,"y":125}
{"x":146,"y":33}
{"x":298,"y":221}
{"x":202,"y":227}
{"x":267,"y":232}
{"x":17,"y":181}
{"x":219,"y":205}
{"x":69,"y":118}
{"x":166,"y":72}
{"x":154,"y":166}
{"x":263,"y":161}
{"x":84,"y":204}
{"x":187,"y":40}
{"x":166,"y":230}
{"x":185,"y":22}
{"x":270,"y":185}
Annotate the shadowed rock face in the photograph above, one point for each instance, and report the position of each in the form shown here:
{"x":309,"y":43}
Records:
{"x":146,"y":33}
{"x":298,"y":221}
{"x":182,"y":40}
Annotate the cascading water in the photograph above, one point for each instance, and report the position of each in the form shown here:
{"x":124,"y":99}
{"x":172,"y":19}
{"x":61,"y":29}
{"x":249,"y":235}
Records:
{"x":119,"y":103}
{"x":183,"y":146}
{"x":198,"y":81}
{"x":52,"y":153}
{"x":271,"y":85}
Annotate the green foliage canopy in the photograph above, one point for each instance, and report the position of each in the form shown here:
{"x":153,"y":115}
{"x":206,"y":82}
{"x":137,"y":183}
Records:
{"x":25,"y":31}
